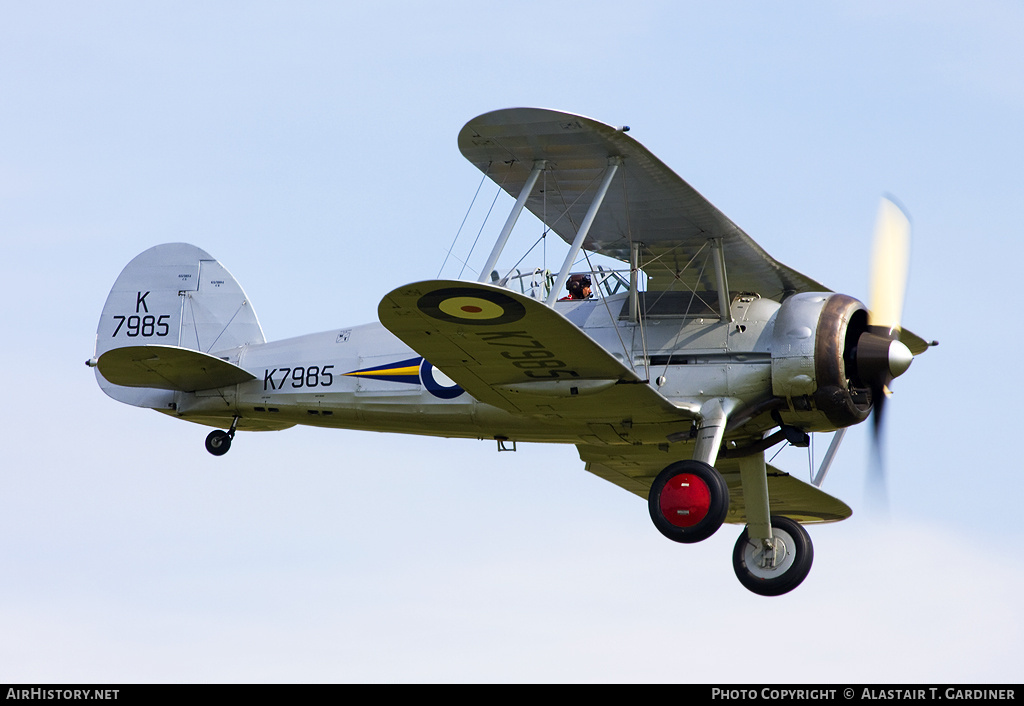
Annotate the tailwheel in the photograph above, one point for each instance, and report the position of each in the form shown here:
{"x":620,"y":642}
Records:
{"x":218,"y":442}
{"x":776,"y":566}
{"x":688,"y":501}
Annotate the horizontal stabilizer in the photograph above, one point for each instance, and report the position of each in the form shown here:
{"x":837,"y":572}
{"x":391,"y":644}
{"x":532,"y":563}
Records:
{"x":169,"y":368}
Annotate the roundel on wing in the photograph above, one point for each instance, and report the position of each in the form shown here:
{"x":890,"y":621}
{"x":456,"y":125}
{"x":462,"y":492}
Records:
{"x":477,"y":307}
{"x":437,"y":383}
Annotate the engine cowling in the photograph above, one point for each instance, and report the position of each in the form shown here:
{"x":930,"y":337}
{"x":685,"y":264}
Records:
{"x":815,"y":364}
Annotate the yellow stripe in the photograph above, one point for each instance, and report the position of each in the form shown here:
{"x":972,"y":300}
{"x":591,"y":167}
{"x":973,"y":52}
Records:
{"x":410,"y":370}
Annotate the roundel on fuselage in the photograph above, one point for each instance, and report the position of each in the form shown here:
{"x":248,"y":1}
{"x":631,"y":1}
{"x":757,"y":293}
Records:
{"x":437,"y":383}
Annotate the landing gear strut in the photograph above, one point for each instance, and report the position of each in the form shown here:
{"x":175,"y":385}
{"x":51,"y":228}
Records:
{"x":771,"y":567}
{"x":219,"y":442}
{"x":688,"y":501}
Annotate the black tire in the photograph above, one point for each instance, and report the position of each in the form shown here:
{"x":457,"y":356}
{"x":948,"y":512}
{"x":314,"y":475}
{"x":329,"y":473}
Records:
{"x":793,"y":568}
{"x":680,"y":525}
{"x":218,"y":442}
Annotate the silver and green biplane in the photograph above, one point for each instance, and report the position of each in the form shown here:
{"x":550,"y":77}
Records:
{"x":672,"y":377}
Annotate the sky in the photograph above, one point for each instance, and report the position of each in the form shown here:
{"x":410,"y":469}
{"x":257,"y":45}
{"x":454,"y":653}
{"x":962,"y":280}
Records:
{"x":311,"y":148}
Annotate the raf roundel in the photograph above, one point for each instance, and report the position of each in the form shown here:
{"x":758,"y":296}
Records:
{"x":437,"y":383}
{"x":477,"y":307}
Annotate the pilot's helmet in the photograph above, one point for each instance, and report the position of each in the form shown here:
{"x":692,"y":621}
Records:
{"x":577,"y":283}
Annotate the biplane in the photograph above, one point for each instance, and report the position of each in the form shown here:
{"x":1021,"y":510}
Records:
{"x":686,"y":365}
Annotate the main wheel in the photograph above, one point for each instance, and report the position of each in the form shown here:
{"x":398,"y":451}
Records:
{"x":688,"y":501}
{"x":773,"y":576}
{"x":218,"y":442}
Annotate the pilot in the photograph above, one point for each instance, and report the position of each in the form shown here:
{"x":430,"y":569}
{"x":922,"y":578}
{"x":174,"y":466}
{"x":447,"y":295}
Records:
{"x":578,"y":286}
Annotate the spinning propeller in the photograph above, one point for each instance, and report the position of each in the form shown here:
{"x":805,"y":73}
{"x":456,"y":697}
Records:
{"x":880,"y":355}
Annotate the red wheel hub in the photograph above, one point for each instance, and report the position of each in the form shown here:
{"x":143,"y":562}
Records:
{"x":685,"y":500}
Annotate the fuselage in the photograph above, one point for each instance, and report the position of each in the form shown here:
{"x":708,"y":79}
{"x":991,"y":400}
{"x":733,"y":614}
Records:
{"x":363,"y":377}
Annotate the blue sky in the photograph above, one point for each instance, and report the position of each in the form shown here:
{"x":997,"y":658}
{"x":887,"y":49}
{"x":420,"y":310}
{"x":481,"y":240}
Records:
{"x":311,"y":147}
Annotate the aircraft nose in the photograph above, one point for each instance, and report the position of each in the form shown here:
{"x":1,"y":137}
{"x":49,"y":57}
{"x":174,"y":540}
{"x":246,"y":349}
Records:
{"x":900,"y":358}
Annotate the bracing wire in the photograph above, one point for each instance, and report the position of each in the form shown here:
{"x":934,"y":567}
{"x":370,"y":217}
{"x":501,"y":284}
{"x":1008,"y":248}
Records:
{"x":781,"y":449}
{"x":608,"y":310}
{"x":544,"y":231}
{"x":689,"y":305}
{"x":483,"y":178}
{"x":486,"y":218}
{"x":542,"y":240}
{"x":526,"y":254}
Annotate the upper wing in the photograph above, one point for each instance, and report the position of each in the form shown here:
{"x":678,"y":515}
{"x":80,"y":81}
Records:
{"x":635,"y":467}
{"x":517,"y":354}
{"x":652,"y":205}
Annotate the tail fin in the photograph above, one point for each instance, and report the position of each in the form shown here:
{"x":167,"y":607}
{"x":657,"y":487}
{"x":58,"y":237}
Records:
{"x":173,"y":295}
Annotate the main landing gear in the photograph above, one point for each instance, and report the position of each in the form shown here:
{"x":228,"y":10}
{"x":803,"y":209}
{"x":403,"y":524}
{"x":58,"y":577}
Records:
{"x":219,"y":442}
{"x":688,"y":502}
{"x":771,"y":567}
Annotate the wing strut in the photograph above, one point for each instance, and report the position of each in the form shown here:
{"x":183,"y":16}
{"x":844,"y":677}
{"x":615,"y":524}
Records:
{"x":724,"y":308}
{"x":634,"y":282}
{"x":588,"y":220}
{"x":510,"y":222}
{"x":826,"y":462}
